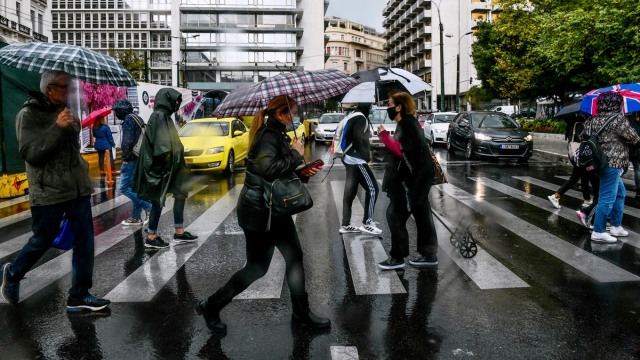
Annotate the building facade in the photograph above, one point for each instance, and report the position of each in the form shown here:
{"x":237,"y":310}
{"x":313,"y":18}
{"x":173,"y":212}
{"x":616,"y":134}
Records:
{"x":203,"y":44}
{"x":414,"y":38}
{"x":353,"y":47}
{"x":24,"y":21}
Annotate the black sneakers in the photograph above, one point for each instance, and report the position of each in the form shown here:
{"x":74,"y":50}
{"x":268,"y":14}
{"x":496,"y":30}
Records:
{"x":185,"y":237}
{"x":89,"y":302}
{"x":10,"y":291}
{"x":425,"y":261}
{"x":391,"y":264}
{"x":156,"y":243}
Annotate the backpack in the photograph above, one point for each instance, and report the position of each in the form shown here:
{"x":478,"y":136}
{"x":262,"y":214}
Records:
{"x":341,"y":136}
{"x":589,"y":155}
{"x":136,"y":148}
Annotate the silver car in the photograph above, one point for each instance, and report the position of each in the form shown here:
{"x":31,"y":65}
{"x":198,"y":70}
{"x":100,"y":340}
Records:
{"x":326,"y":127}
{"x":437,"y":126}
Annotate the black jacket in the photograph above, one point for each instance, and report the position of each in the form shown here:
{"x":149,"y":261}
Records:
{"x":270,"y":157}
{"x":415,"y":169}
{"x":358,"y":135}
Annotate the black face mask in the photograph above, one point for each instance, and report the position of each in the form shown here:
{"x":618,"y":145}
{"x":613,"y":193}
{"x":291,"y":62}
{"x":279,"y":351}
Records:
{"x":392,"y":112}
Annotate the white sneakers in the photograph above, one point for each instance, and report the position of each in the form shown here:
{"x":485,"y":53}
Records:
{"x":370,"y":228}
{"x":555,"y":201}
{"x":602,"y":237}
{"x":348,"y":229}
{"x":618,"y":231}
{"x":587,"y":203}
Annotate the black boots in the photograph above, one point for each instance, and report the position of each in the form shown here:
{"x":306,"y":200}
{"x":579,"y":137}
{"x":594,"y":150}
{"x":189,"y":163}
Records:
{"x":210,"y":310}
{"x":303,"y":315}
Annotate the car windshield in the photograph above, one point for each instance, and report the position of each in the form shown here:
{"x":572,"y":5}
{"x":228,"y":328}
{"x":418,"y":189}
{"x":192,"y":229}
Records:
{"x":379,"y":116}
{"x":492,"y":121}
{"x":330,"y":118}
{"x":205,"y":129}
{"x":443,"y":118}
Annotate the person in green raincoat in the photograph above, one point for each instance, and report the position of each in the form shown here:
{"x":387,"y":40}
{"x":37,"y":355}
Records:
{"x":161,"y":169}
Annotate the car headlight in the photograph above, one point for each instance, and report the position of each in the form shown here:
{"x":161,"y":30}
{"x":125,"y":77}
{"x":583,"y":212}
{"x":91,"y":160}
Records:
{"x":482,"y":137}
{"x":528,"y":138}
{"x":440,"y":131}
{"x":215,"y":150}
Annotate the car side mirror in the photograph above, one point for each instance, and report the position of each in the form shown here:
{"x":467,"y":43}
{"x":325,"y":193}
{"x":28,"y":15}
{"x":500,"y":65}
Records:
{"x":315,"y":123}
{"x":237,"y":133}
{"x":429,"y":121}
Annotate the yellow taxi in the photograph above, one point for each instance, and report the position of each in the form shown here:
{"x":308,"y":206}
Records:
{"x":298,"y":130}
{"x":213,"y":144}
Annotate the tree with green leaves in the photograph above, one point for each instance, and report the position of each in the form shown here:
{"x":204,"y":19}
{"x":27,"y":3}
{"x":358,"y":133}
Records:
{"x":131,"y":60}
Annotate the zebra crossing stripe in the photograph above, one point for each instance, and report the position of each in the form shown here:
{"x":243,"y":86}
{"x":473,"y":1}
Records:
{"x":364,"y":252}
{"x":14,"y":201}
{"x":344,"y":353}
{"x":44,"y":275}
{"x":625,"y":181}
{"x":13,"y":245}
{"x":12,"y":219}
{"x":633,"y":239}
{"x":144,"y":283}
{"x":591,"y":265}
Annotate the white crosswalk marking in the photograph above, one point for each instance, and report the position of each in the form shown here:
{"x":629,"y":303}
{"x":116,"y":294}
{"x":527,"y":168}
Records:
{"x":14,"y":201}
{"x":633,"y":239}
{"x":10,"y":246}
{"x":144,"y":283}
{"x":344,"y":353}
{"x":585,"y":262}
{"x":626,"y":181}
{"x":12,"y":219}
{"x":53,"y":270}
{"x":363,"y":253}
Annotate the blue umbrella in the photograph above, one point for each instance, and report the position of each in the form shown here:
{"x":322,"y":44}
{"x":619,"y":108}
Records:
{"x":630,"y":94}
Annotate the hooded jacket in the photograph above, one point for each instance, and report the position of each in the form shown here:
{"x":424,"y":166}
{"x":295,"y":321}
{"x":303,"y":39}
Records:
{"x":130,"y":129}
{"x":161,"y":168}
{"x":55,"y":169}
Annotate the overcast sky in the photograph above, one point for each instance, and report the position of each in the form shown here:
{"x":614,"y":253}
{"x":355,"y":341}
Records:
{"x":366,"y":12}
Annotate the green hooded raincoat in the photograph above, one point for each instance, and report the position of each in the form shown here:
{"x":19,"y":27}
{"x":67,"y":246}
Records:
{"x":161,"y":168}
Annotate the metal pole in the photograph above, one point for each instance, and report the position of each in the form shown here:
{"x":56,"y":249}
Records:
{"x":458,"y":73}
{"x":184,"y":78}
{"x":441,"y":64}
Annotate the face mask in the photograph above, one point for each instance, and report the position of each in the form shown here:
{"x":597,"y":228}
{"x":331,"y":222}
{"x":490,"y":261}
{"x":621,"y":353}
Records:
{"x":295,"y":119}
{"x":392,"y":112}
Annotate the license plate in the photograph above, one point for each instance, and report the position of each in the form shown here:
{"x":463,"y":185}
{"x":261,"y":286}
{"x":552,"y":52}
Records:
{"x":509,"y":146}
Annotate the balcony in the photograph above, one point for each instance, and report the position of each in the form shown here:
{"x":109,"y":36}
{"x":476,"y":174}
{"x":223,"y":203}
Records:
{"x":386,"y":11}
{"x":404,"y":5}
{"x":480,"y":6}
{"x":40,"y":37}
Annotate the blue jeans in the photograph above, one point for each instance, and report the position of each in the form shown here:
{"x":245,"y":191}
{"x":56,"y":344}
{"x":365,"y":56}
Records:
{"x":611,"y":199}
{"x":178,"y":215}
{"x":45,"y":227}
{"x":126,"y":177}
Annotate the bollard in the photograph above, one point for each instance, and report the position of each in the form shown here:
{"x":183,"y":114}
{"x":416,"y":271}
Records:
{"x":107,"y":165}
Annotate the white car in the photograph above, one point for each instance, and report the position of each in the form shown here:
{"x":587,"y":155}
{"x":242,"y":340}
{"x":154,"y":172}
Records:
{"x":437,"y":126}
{"x":326,"y":127}
{"x":378,"y":115}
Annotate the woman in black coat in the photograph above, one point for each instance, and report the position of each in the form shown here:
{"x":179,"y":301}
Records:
{"x":270,"y":157}
{"x":407,"y":181}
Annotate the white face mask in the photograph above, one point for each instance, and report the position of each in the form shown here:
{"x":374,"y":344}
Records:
{"x":295,"y":120}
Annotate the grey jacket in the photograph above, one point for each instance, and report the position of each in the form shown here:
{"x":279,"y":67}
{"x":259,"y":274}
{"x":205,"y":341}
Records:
{"x":55,"y":169}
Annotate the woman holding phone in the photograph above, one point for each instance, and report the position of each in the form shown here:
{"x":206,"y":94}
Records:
{"x":270,"y":157}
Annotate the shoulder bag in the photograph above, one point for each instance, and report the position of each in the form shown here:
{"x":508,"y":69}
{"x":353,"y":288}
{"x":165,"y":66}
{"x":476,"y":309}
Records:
{"x":285,"y":196}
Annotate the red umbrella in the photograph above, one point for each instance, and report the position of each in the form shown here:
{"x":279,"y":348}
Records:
{"x":88,"y":121}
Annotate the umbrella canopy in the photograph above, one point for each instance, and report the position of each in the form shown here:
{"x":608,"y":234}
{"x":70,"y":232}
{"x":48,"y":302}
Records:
{"x":80,"y":63}
{"x":376,"y":85}
{"x":568,"y":110}
{"x":303,"y":86}
{"x":88,"y":121}
{"x":630,"y":94}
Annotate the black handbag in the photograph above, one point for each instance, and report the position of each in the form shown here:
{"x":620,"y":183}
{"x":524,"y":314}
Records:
{"x":285,"y":196}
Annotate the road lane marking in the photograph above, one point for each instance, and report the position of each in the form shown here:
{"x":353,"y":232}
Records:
{"x":14,"y":201}
{"x":589,"y":264}
{"x":42,"y":276}
{"x":12,"y":219}
{"x":146,"y":281}
{"x":569,"y":214}
{"x":364,"y":252}
{"x":344,"y":353}
{"x":15,"y":244}
{"x":627,"y":182}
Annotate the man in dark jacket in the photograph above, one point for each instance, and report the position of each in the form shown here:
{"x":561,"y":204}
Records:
{"x":132,"y":126}
{"x":356,"y":161}
{"x":161,"y":169}
{"x":59,"y":183}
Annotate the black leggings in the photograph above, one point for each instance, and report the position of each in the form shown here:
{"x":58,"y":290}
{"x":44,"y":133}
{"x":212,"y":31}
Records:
{"x":260,"y":246}
{"x":578,"y":174}
{"x":101,"y":154}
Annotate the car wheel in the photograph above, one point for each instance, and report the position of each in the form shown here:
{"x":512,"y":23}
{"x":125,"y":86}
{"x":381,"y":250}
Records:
{"x":449,"y":146}
{"x":468,"y":152}
{"x":231,"y":162}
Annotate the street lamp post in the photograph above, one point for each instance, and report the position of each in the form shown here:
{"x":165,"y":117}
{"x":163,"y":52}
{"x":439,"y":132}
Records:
{"x":184,"y":68}
{"x":441,"y":57}
{"x":458,"y":73}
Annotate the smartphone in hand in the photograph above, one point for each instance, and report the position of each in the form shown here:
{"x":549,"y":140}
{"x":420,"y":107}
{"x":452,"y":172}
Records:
{"x":314,"y":165}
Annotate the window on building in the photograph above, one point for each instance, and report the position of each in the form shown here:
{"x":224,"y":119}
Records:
{"x":346,"y":65}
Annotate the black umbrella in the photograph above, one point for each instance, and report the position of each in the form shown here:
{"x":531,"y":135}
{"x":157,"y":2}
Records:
{"x":569,"y":110}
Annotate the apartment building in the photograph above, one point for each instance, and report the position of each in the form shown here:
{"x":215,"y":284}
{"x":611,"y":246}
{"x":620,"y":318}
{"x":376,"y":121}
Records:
{"x":353,"y":47}
{"x":414,"y":39}
{"x":24,"y":21}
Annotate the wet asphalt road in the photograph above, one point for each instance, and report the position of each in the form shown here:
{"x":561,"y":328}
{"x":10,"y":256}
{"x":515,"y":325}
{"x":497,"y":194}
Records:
{"x":537,"y":289}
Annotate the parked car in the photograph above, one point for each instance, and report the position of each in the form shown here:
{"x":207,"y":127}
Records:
{"x":489,"y":134}
{"x":437,"y":126}
{"x":422,"y":119}
{"x":510,"y":110}
{"x":326,"y":126}
{"x":526,"y":113}
{"x":378,"y":115}
{"x":213,"y":144}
